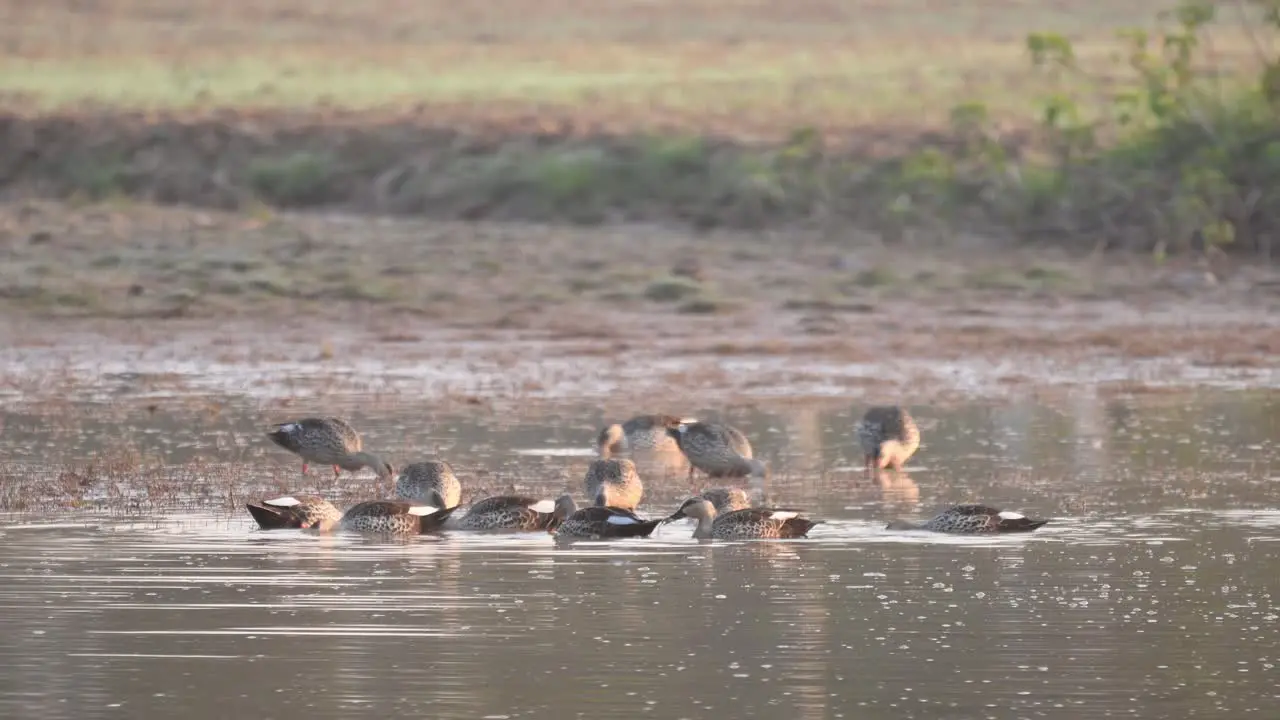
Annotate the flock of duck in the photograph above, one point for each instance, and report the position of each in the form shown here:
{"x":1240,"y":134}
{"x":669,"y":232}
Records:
{"x":427,"y":494}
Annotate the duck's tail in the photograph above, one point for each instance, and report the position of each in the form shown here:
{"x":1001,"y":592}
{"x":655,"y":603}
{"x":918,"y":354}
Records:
{"x":269,"y":518}
{"x":798,"y":527}
{"x":435,"y":521}
{"x":640,"y":529}
{"x":1010,"y":525}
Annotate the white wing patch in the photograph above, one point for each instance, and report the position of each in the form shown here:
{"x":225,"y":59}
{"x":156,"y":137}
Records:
{"x":286,"y":501}
{"x":783,"y":515}
{"x":682,"y":428}
{"x":544,"y":506}
{"x":421,"y":510}
{"x":688,"y":421}
{"x":621,"y":520}
{"x":1010,"y":515}
{"x":289,"y":427}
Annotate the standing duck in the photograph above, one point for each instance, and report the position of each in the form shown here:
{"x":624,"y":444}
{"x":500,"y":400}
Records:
{"x":644,"y":440}
{"x":748,"y":524}
{"x":888,"y":436}
{"x":599,"y":522}
{"x":293,"y":511}
{"x":718,"y":450}
{"x":613,"y":483}
{"x":389,"y":516}
{"x":432,"y":481}
{"x":507,"y":512}
{"x":328,"y":441}
{"x":972,"y":520}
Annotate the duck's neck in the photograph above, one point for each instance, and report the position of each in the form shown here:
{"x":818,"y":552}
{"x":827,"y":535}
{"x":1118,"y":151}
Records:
{"x":357,"y":460}
{"x":703,"y":529}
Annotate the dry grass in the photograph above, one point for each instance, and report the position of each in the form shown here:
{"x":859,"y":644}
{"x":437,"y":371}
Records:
{"x":742,"y":67}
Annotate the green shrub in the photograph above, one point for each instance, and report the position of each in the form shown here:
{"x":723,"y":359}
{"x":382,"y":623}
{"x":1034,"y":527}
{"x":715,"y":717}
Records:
{"x":295,"y":180}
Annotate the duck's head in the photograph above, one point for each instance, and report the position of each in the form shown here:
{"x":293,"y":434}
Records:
{"x":383,"y":469}
{"x":697,"y":508}
{"x":565,"y":506}
{"x":677,"y":427}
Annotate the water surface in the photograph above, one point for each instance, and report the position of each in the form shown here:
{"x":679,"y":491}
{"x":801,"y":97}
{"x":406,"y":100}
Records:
{"x":1152,"y":594}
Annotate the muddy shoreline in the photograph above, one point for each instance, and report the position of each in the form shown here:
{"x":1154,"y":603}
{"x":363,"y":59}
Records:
{"x":181,"y":301}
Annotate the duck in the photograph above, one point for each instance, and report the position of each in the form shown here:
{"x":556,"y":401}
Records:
{"x":599,"y":522}
{"x":507,"y":512}
{"x":720,"y":451}
{"x":972,"y":520}
{"x":388,"y":516}
{"x":747,"y":524}
{"x":888,"y":436}
{"x":613,"y":483}
{"x":726,"y":499}
{"x":328,"y":441}
{"x":432,"y":481}
{"x":644,"y":440}
{"x":293,"y":511}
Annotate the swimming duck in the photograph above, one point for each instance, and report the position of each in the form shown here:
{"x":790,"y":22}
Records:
{"x":507,"y":512}
{"x":748,"y":524}
{"x":293,"y":511}
{"x":888,"y":436}
{"x":432,"y":481}
{"x":389,"y":516}
{"x":613,"y":483}
{"x":599,"y":522}
{"x":972,"y":520}
{"x":328,"y":441}
{"x":644,"y":440}
{"x":718,"y":450}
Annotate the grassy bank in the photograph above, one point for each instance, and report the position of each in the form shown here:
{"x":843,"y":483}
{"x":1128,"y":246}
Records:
{"x":1007,"y":119}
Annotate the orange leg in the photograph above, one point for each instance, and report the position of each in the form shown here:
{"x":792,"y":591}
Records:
{"x":336,"y":472}
{"x":304,"y":468}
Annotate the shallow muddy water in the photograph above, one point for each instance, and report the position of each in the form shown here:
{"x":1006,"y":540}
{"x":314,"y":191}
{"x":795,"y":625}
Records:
{"x":1154,"y":593}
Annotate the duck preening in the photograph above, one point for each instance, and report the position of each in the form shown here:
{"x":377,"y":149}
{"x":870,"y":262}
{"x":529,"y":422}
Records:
{"x":888,"y":436}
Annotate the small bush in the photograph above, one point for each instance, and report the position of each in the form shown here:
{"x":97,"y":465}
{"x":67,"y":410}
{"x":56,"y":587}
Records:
{"x":672,"y":289}
{"x":298,"y":179}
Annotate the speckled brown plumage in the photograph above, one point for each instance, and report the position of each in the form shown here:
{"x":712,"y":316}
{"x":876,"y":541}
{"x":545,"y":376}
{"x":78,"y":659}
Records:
{"x":431,"y":481}
{"x":613,"y":483}
{"x":718,"y":450}
{"x":748,"y":524}
{"x":599,"y":522}
{"x":295,"y":511}
{"x":391,"y":516}
{"x":973,"y":520}
{"x":507,"y":512}
{"x":328,"y":441}
{"x":888,"y":436}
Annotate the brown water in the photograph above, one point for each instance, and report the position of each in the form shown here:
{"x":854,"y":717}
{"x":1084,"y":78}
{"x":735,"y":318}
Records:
{"x":1155,"y":593}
